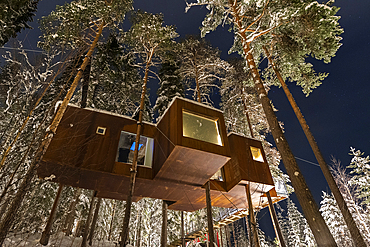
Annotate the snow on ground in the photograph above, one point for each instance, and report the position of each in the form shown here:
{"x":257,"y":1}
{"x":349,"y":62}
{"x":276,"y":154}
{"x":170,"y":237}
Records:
{"x":32,"y":240}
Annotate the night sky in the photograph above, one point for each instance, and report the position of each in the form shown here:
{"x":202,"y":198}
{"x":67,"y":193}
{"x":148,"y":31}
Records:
{"x":337,"y":112}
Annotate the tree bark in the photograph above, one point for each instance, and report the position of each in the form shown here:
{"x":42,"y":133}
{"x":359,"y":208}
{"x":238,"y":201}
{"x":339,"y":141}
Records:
{"x":7,"y":220}
{"x":68,"y":224}
{"x":182,"y":230}
{"x":44,"y":240}
{"x":256,"y":241}
{"x":310,"y":209}
{"x":234,"y":234}
{"x":111,"y":222}
{"x":95,"y":218}
{"x":138,"y":238}
{"x":85,"y":85}
{"x":164,"y":224}
{"x":352,"y":227}
{"x":133,"y":170}
{"x":209,"y":215}
{"x":275,"y":221}
{"x":87,"y":225}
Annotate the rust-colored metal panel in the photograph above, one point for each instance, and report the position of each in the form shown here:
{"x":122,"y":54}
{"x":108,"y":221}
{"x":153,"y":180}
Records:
{"x":243,"y":168}
{"x":190,"y":166}
{"x":78,"y":144}
{"x":170,"y":134}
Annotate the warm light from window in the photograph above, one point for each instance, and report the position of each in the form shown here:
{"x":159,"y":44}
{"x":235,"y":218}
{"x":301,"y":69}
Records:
{"x":201,"y":128}
{"x":256,"y":154}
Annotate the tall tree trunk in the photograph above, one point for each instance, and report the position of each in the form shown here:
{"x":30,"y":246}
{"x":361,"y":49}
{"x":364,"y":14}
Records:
{"x":133,"y":171}
{"x":111,"y":222}
{"x":68,"y":224}
{"x":352,"y":227}
{"x":247,"y":114}
{"x":164,"y":224}
{"x":310,"y":209}
{"x":209,"y":215}
{"x":256,"y":242}
{"x":182,"y":230}
{"x":7,"y":220}
{"x":95,"y":218}
{"x":234,"y":234}
{"x":228,"y":237}
{"x":85,"y":85}
{"x":44,"y":240}
{"x":275,"y":222}
{"x":138,"y":234}
{"x":87,"y":224}
{"x":221,"y":238}
{"x":249,"y":230}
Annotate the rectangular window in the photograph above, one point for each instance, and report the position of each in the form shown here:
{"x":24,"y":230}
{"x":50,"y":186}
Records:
{"x":201,"y":128}
{"x":256,"y":154}
{"x":126,"y":148}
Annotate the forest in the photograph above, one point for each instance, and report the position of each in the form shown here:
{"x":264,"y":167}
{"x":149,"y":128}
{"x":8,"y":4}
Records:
{"x":104,"y":55}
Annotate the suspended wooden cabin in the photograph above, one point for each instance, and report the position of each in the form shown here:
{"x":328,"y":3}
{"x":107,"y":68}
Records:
{"x":93,"y":149}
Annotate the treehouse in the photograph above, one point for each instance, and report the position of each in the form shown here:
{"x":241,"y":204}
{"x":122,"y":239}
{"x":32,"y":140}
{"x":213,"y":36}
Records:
{"x":93,"y":149}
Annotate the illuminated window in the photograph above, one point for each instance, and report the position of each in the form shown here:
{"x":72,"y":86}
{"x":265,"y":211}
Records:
{"x":201,"y":128}
{"x":218,"y":176}
{"x":126,"y":147}
{"x":256,"y":154}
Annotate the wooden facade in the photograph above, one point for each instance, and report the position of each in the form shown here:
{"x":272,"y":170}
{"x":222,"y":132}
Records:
{"x":85,"y":149}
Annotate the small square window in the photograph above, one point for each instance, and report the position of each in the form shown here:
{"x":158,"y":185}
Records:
{"x":100,"y":130}
{"x":256,"y":154}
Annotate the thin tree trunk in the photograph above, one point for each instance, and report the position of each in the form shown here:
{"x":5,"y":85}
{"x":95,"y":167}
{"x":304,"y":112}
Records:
{"x":234,"y":235}
{"x":275,"y":222}
{"x":221,"y":238}
{"x":133,"y":170}
{"x":256,"y":242}
{"x":164,"y":224}
{"x":209,"y":215}
{"x":228,"y":237}
{"x":95,"y":218}
{"x":87,"y":224}
{"x":138,"y":234}
{"x":310,"y":209}
{"x":182,"y":230}
{"x":85,"y":85}
{"x":111,"y":222}
{"x":44,"y":240}
{"x":249,"y":230}
{"x":352,"y":227}
{"x":247,"y":114}
{"x":68,"y":224}
{"x":8,"y":219}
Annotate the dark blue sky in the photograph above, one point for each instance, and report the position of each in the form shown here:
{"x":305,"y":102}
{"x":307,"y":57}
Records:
{"x":337,"y":112}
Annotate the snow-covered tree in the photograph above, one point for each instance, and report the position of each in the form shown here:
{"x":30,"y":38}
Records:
{"x":361,"y":175}
{"x":201,"y":67}
{"x":170,"y":83}
{"x":334,"y":219}
{"x":14,"y":16}
{"x":252,"y":21}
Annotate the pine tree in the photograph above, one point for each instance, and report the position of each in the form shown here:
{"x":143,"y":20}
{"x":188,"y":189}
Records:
{"x":170,"y":83}
{"x":149,"y":39}
{"x":361,"y":179}
{"x":250,"y":21}
{"x":201,"y":67}
{"x":14,"y":16}
{"x":66,"y":28}
{"x":334,"y":219}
